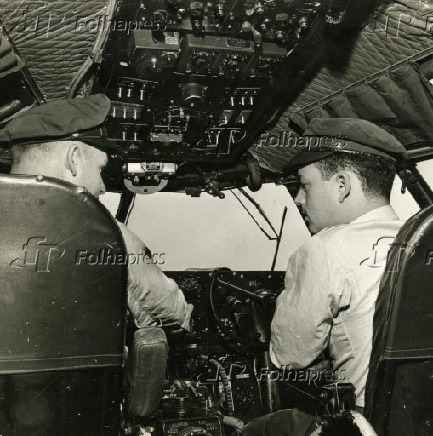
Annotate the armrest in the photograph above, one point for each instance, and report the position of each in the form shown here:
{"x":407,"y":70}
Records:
{"x":146,"y":371}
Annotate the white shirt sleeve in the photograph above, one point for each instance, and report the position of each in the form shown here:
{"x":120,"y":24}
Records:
{"x":151,"y":294}
{"x":316,"y":289}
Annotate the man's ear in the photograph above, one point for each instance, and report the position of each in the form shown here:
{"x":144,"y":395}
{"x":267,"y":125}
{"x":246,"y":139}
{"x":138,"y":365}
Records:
{"x":344,"y":186}
{"x":72,"y":159}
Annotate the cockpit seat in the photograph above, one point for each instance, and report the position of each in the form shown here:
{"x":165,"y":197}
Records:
{"x":399,"y":392}
{"x":62,"y":308}
{"x":63,"y":302}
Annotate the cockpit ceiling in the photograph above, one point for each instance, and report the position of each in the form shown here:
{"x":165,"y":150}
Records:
{"x":53,"y":38}
{"x":381,"y":73}
{"x":384,"y":76}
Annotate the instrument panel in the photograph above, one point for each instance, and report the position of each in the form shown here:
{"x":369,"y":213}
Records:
{"x":206,"y":336}
{"x":209,"y":373}
{"x":186,"y":78}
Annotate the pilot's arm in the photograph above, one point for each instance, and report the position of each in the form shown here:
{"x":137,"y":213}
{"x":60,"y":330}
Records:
{"x":316,"y":288}
{"x":151,"y":294}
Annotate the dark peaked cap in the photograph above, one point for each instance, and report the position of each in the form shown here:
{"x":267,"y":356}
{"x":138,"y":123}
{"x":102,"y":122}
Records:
{"x":78,"y":119}
{"x":351,"y":135}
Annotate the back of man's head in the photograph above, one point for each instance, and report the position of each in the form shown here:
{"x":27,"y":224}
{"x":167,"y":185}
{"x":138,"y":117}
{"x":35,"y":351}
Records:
{"x":375,"y":173}
{"x":346,"y":170}
{"x":71,"y":161}
{"x":349,"y":143}
{"x":41,"y":154}
{"x":65,"y":139}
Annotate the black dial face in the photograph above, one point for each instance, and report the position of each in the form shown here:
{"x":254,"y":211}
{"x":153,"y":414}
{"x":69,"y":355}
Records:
{"x":190,"y":284}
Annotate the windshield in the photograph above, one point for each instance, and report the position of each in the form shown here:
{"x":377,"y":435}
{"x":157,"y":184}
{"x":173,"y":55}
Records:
{"x":207,"y":232}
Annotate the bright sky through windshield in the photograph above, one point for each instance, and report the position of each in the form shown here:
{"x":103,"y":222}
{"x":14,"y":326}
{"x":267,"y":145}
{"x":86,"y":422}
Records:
{"x":208,"y":232}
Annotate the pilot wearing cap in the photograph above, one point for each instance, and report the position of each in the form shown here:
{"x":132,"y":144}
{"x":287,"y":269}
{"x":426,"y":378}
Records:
{"x":65,"y":139}
{"x":346,"y":169}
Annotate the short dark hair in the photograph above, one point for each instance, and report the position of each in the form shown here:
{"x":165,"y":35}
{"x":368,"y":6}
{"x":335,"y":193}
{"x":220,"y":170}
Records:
{"x":340,"y":426}
{"x":376,"y":174}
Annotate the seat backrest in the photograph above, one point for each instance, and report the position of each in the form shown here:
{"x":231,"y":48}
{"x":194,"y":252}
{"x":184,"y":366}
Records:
{"x":400,"y":379}
{"x":63,"y":275}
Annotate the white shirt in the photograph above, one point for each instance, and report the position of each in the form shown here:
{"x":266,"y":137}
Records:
{"x":152,"y":296}
{"x":331,"y":286}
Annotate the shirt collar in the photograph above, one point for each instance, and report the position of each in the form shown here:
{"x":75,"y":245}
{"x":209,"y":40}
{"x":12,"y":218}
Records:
{"x":383,"y":213}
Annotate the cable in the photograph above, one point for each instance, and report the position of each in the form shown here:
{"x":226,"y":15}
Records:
{"x":280,"y":235}
{"x":226,"y":384}
{"x":130,"y":210}
{"x":259,"y":208}
{"x":222,"y":327}
{"x":271,"y":238}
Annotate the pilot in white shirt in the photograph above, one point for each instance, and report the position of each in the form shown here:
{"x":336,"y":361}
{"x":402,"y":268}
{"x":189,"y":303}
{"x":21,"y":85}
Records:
{"x":332,"y":281}
{"x":331,"y":287}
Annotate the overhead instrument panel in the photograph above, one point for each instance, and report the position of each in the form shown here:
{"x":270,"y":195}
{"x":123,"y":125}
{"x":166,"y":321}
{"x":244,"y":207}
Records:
{"x":186,"y":76}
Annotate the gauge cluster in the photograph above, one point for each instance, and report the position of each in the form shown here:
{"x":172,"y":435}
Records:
{"x":213,"y":380}
{"x":187,"y":79}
